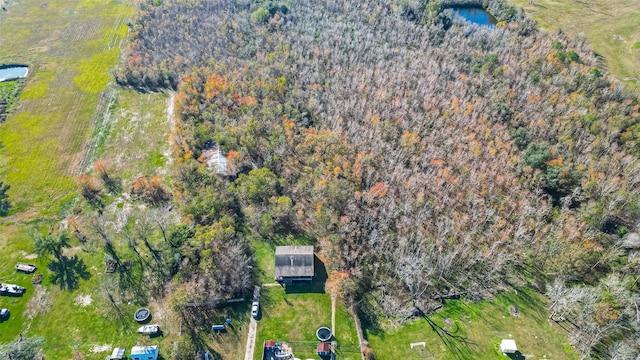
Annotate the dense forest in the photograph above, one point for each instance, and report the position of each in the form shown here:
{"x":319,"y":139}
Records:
{"x":428,"y":157}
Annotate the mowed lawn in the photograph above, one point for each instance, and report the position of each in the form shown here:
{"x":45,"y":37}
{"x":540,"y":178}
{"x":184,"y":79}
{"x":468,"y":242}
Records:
{"x":294,"y":317}
{"x":70,"y":47}
{"x":611,"y":26}
{"x":477,"y":331}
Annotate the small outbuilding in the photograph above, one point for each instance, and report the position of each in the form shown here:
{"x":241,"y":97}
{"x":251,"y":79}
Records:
{"x":508,"y":346}
{"x":294,"y":263}
{"x":270,"y":344}
{"x":144,"y":353}
{"x":324,"y":349}
{"x":117,"y":354}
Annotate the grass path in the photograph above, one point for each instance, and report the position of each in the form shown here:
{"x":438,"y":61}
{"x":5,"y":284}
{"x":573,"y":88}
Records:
{"x":250,"y":347}
{"x":611,"y":26}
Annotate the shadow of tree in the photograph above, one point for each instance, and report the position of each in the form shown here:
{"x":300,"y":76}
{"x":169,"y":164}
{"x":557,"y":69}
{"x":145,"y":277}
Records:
{"x":113,"y":185}
{"x":119,"y":315}
{"x":369,"y":320}
{"x":67,"y":272}
{"x":457,"y":344}
{"x":131,"y":283}
{"x":316,"y":285}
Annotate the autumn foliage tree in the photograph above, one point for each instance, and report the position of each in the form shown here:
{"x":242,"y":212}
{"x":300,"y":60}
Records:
{"x":90,"y":190}
{"x":151,"y":190}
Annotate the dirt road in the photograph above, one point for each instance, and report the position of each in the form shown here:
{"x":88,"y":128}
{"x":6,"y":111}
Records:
{"x":251,"y":340}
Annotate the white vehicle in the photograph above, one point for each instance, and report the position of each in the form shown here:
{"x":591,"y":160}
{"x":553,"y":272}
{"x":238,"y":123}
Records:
{"x":255,"y":307}
{"x":149,"y":329}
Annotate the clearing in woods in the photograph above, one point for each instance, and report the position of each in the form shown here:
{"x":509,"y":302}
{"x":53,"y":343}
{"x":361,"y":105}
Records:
{"x":611,"y":26}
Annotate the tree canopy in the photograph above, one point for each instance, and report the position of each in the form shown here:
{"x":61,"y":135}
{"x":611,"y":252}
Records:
{"x":426,"y":155}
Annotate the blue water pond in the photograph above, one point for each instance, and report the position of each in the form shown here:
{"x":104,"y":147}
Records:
{"x":14,"y":72}
{"x":476,"y":15}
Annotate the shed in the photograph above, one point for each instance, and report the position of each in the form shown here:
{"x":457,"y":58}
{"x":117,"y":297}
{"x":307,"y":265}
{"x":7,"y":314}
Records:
{"x":508,"y":346}
{"x":294,"y":263}
{"x":117,"y":354}
{"x":324,"y":349}
{"x":144,"y":353}
{"x":215,"y":159}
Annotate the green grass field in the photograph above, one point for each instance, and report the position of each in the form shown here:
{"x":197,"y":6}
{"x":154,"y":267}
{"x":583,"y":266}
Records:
{"x":70,"y":47}
{"x":477,"y":331}
{"x":132,"y":126}
{"x":611,"y":26}
{"x":68,"y":116}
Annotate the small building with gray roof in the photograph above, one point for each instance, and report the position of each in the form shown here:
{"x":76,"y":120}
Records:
{"x":294,"y":263}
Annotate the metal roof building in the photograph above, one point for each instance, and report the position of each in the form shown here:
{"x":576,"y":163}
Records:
{"x":294,"y":263}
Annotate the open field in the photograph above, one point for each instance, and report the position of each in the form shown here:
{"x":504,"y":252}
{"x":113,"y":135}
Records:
{"x":477,"y":331}
{"x":70,"y":115}
{"x":65,"y":120}
{"x":70,"y":47}
{"x":611,"y":26}
{"x":138,"y":135}
{"x":294,"y":317}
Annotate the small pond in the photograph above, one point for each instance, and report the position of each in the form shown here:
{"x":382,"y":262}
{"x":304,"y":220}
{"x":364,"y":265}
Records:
{"x":476,"y":15}
{"x":13,"y":72}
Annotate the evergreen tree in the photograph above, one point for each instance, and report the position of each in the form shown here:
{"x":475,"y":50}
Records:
{"x":5,"y":205}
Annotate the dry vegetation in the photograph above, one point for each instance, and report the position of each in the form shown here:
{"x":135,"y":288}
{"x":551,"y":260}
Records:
{"x":429,"y":158}
{"x":436,"y":158}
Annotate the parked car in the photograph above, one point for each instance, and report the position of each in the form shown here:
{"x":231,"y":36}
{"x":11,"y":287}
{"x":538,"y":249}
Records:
{"x":4,"y":313}
{"x":255,"y":307}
